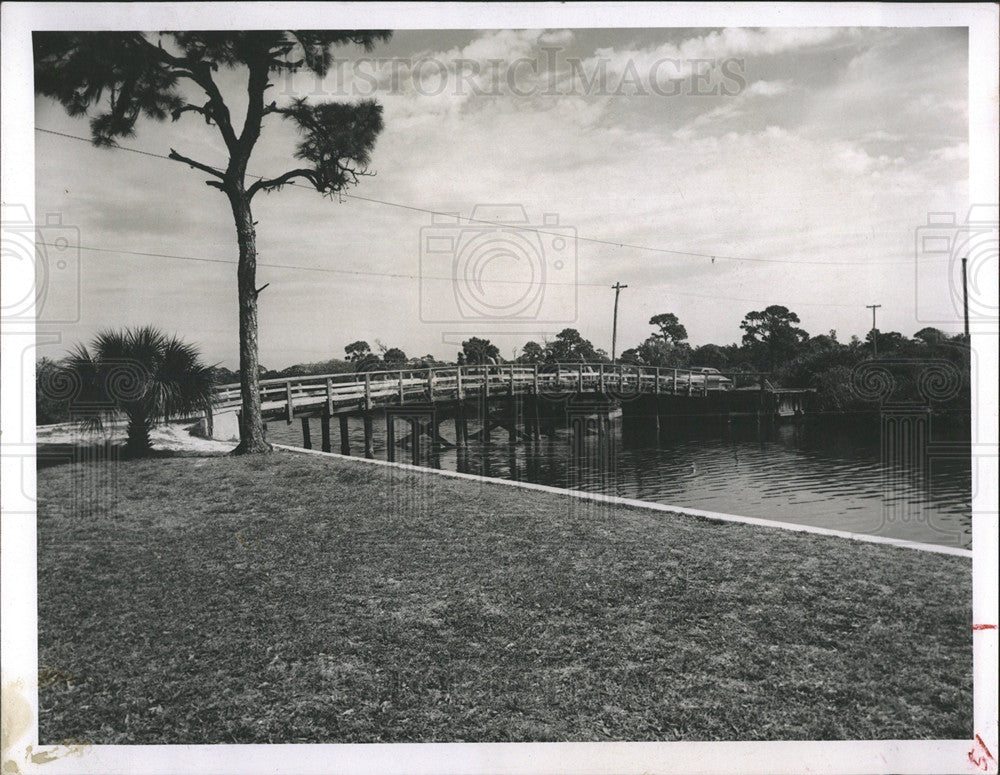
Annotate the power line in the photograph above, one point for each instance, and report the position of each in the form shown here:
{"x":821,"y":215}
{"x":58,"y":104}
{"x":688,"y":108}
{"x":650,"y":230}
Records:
{"x":593,"y":240}
{"x":404,"y":276}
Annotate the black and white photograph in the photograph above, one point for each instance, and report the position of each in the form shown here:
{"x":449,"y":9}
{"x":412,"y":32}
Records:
{"x":502,"y":388}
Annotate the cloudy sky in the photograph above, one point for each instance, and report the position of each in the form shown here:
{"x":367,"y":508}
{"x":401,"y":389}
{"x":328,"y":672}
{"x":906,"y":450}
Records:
{"x":803,"y":160}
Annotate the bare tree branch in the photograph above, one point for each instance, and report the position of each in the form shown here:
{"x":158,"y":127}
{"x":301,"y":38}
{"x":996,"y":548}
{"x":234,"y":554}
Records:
{"x":272,"y":183}
{"x":202,"y":109}
{"x":196,"y":164}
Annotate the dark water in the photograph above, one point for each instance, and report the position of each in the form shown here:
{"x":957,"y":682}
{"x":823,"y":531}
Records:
{"x":868,"y":480}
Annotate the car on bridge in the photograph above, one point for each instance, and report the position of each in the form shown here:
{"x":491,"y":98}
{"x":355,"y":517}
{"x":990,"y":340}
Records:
{"x":711,"y":378}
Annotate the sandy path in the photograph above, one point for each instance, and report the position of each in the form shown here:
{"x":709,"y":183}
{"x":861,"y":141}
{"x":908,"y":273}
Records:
{"x":173,"y":436}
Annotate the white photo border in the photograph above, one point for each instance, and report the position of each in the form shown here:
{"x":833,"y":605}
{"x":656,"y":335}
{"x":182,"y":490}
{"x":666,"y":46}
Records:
{"x":19,"y":623}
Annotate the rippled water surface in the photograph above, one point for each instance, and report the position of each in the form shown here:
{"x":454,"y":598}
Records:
{"x":821,"y":475}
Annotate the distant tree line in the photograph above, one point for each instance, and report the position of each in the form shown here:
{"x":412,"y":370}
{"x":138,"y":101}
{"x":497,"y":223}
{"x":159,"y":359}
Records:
{"x":930,"y":365}
{"x":772,"y":343}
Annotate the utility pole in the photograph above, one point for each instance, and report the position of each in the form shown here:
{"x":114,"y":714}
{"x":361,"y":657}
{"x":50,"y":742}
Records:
{"x":617,"y":288}
{"x":965,"y":298}
{"x":874,"y":307}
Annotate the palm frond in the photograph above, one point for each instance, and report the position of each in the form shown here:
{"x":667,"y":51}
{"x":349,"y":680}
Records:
{"x":140,"y":373}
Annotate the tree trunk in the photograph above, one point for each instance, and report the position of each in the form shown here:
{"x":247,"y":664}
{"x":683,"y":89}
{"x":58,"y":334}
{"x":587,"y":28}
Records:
{"x":251,"y":424}
{"x":138,"y":443}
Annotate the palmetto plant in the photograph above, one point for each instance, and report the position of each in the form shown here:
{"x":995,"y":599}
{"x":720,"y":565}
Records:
{"x":140,"y":374}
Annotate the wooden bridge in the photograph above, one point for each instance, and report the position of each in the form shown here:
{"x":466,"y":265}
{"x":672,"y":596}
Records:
{"x":526,"y":400}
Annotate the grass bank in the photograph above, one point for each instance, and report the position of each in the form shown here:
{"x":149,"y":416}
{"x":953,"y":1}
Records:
{"x":301,"y":599}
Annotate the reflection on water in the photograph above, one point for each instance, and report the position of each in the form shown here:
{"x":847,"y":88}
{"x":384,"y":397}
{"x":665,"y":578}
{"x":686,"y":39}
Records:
{"x":818,"y":475}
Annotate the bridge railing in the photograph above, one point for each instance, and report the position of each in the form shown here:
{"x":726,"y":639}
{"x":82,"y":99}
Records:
{"x":428,"y":383}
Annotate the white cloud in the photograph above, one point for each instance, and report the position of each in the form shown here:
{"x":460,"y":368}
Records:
{"x":767,"y":88}
{"x":959,"y":152}
{"x":745,"y":176}
{"x":715,"y":45}
{"x":556,"y":38}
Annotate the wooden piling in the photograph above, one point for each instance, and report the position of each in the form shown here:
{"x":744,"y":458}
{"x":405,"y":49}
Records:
{"x":369,"y":447}
{"x":461,"y":427}
{"x":483,"y":408}
{"x":415,"y":429}
{"x":435,"y":434}
{"x":550,"y":419}
{"x":324,"y":430}
{"x":345,"y":439}
{"x":390,"y":438}
{"x":306,"y":440}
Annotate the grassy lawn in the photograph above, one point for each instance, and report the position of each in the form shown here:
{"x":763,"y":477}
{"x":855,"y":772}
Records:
{"x":299,"y":599}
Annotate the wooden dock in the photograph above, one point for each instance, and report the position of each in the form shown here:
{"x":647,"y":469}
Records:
{"x":524,"y":400}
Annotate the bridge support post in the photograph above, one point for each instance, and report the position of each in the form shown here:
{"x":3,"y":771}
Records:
{"x":421,"y":419}
{"x":461,"y":426}
{"x":578,"y":434}
{"x":415,"y":428}
{"x":345,"y":439}
{"x":324,"y":432}
{"x":512,"y":428}
{"x":664,"y":416}
{"x":369,"y":448}
{"x":581,"y":418}
{"x":552,"y":412}
{"x":306,"y":440}
{"x":762,"y":408}
{"x":485,"y":414}
{"x":390,"y":438}
{"x":436,"y":439}
{"x":536,"y":430}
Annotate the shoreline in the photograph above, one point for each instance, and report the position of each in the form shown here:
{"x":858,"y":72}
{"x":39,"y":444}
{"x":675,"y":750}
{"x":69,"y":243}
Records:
{"x":652,"y":506}
{"x":176,"y":437}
